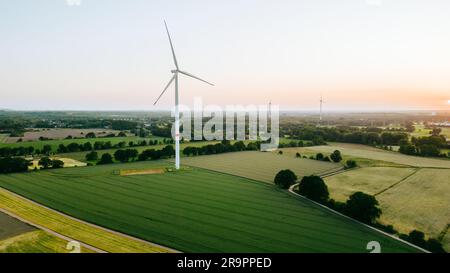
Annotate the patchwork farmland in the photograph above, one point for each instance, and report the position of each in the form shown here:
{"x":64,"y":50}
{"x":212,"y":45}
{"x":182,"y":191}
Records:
{"x":196,"y":210}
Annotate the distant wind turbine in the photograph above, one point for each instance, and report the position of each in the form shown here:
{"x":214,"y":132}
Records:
{"x":321,"y":105}
{"x":175,"y":73}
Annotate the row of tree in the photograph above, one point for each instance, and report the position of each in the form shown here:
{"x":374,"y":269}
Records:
{"x":425,"y":146}
{"x":369,"y":136}
{"x":223,"y":147}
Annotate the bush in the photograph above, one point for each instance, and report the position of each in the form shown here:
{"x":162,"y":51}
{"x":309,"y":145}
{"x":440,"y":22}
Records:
{"x":313,"y":187}
{"x":45,"y":162}
{"x":350,"y":164}
{"x":285,"y":178}
{"x":319,"y":156}
{"x":362,"y":207}
{"x":298,"y":155}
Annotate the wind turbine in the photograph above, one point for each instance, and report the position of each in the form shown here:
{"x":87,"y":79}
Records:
{"x":321,"y":104}
{"x":175,"y":73}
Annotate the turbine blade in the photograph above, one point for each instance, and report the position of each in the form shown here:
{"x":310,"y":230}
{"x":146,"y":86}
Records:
{"x":195,"y":77}
{"x":167,"y":86}
{"x":171,"y":46}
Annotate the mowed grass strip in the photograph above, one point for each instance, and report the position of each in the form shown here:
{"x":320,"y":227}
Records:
{"x":37,"y":241}
{"x":198,"y":211}
{"x":420,"y":202}
{"x":99,"y":238}
{"x":370,"y":180}
{"x":261,"y":166}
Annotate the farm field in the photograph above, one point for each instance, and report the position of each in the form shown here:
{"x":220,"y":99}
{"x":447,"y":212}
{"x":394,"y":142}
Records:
{"x":422,"y":202}
{"x":59,"y":134}
{"x":261,"y":166}
{"x":363,"y":151}
{"x":3,"y":138}
{"x":55,"y":143}
{"x":79,"y":231}
{"x":37,"y":241}
{"x":196,"y":210}
{"x":370,"y":180}
{"x":10,"y":227}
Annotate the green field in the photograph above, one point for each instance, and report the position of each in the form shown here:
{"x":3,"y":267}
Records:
{"x":197,"y":210}
{"x":55,"y":143}
{"x":262,"y":166}
{"x":10,"y":227}
{"x":370,"y":180}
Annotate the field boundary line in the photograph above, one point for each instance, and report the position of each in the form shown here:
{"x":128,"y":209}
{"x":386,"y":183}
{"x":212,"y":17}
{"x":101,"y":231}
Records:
{"x":291,"y":190}
{"x":398,"y":182}
{"x":91,"y":224}
{"x":59,"y":235}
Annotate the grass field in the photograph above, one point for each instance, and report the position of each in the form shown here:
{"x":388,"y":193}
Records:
{"x":262,"y":166}
{"x":82,"y":232}
{"x":370,"y":180}
{"x":195,"y":210}
{"x":37,"y":241}
{"x":363,"y":151}
{"x":422,"y":202}
{"x":10,"y":227}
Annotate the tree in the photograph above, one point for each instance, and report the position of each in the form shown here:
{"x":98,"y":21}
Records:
{"x":122,"y":134}
{"x":121,"y":155}
{"x":45,"y":162}
{"x":298,"y":155}
{"x":105,"y":159}
{"x":362,"y":207}
{"x":313,"y":187}
{"x":13,"y":165}
{"x":56,"y":164}
{"x":336,"y":156}
{"x":92,"y":156}
{"x":285,"y":179}
{"x":280,"y":152}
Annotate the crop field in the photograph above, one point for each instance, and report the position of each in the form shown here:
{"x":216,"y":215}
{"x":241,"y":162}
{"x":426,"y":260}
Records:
{"x":196,"y":210}
{"x":79,"y":231}
{"x":37,"y":241}
{"x":55,"y":143}
{"x":422,"y":202}
{"x":60,"y":134}
{"x":370,"y":180}
{"x":3,"y":138}
{"x":261,"y":166}
{"x":10,"y":227}
{"x":363,"y":151}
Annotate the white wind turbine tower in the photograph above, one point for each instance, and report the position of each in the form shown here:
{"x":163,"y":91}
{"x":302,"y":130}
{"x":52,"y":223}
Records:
{"x":175,"y":73}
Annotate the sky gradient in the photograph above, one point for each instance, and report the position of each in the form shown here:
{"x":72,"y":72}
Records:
{"x":114,"y":54}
